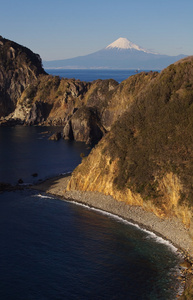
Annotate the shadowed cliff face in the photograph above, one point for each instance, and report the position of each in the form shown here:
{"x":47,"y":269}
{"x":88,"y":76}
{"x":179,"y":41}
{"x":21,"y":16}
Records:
{"x":19,"y":67}
{"x":147,"y":157}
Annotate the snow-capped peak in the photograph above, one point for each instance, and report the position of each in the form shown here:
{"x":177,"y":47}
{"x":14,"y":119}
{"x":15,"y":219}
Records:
{"x":123,"y":43}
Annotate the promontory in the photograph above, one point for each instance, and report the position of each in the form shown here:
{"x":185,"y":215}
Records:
{"x":143,"y":128}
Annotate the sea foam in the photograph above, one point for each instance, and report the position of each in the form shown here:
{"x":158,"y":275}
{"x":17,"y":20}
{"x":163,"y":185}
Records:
{"x":150,"y":234}
{"x":43,"y":196}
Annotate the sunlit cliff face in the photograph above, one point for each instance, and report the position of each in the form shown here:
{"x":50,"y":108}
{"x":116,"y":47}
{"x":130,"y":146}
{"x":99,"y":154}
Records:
{"x":146,"y":159}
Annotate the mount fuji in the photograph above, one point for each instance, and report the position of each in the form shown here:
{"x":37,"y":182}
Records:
{"x":121,"y":54}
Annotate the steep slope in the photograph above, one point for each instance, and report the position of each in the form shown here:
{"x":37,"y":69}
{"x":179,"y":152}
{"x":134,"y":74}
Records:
{"x":146,"y":159}
{"x":87,"y":110}
{"x":19,"y":67}
{"x":49,"y":101}
{"x":121,"y":54}
{"x":79,"y":106}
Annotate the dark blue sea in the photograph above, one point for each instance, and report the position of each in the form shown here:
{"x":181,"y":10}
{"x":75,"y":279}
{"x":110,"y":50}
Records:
{"x":92,"y":74}
{"x":55,"y":250}
{"x":25,"y":151}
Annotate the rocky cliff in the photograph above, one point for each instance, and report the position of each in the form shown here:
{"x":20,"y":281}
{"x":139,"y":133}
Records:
{"x":19,"y":67}
{"x":86,"y":110}
{"x":50,"y":101}
{"x":146,"y":158}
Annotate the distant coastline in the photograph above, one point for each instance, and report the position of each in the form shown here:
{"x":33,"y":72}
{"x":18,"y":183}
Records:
{"x":89,"y":75}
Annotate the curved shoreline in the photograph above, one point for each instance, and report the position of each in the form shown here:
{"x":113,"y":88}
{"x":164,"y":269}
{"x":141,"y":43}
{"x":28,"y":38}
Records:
{"x":155,"y":235}
{"x":171,"y":230}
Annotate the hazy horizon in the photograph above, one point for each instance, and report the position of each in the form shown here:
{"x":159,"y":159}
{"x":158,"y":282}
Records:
{"x":61,"y":29}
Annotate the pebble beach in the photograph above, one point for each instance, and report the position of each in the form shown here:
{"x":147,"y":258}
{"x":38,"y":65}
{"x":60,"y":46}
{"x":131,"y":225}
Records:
{"x":170,"y":229}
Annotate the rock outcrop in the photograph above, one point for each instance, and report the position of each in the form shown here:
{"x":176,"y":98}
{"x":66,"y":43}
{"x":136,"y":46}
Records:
{"x":80,"y":107}
{"x":83,"y":126}
{"x":19,"y":67}
{"x":86,"y":110}
{"x":53,"y":100}
{"x":55,"y":136}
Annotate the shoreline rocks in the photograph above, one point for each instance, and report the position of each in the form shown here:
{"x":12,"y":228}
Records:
{"x":6,"y":187}
{"x":56,"y":136}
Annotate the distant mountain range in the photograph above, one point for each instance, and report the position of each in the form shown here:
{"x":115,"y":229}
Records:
{"x":121,"y":54}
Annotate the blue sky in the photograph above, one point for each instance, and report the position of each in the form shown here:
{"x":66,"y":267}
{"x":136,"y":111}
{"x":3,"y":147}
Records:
{"x":58,"y":29}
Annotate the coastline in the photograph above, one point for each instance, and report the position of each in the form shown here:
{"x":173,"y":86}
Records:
{"x":172,"y":231}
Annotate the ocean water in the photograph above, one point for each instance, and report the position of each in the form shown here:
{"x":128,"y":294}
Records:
{"x":92,"y":74}
{"x":52,"y":249}
{"x":27,"y":150}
